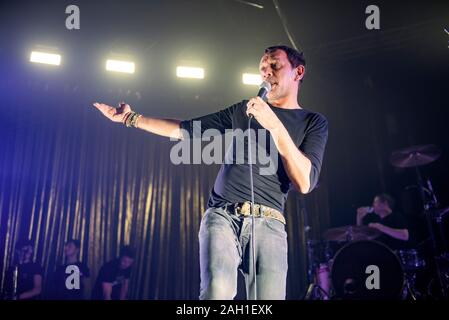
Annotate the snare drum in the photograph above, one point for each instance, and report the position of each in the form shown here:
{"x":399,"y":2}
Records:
{"x":367,"y":270}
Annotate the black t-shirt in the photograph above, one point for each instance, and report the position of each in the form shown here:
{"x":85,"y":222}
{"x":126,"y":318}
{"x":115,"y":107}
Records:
{"x":308,"y":130}
{"x":393,"y":220}
{"x":60,"y":290}
{"x":110,"y":272}
{"x":25,"y":280}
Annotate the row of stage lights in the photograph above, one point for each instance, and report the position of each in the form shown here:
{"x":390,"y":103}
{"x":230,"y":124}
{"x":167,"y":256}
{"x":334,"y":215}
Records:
{"x":129,"y":67}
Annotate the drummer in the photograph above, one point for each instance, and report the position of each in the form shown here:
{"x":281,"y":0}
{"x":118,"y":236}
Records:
{"x":390,"y":223}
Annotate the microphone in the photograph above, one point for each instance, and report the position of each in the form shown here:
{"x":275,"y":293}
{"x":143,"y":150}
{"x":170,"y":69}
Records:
{"x":264,"y":88}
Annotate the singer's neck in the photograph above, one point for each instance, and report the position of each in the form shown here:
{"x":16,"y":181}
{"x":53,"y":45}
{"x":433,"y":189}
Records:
{"x":290,"y":102}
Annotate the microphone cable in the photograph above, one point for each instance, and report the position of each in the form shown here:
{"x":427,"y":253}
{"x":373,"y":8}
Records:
{"x":253,"y":220}
{"x":264,"y":88}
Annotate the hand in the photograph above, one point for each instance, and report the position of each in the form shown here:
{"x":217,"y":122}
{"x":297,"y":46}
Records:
{"x":375,"y":225}
{"x":362,"y":212}
{"x":262,"y":113}
{"x":114,"y":114}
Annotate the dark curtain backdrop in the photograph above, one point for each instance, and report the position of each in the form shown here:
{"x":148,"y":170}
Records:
{"x":67,"y":172}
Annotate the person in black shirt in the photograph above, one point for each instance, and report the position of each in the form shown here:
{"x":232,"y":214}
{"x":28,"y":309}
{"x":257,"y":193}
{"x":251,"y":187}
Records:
{"x":294,"y":139}
{"x":65,"y":286}
{"x":113,"y":279}
{"x":28,"y":274}
{"x":381,"y":217}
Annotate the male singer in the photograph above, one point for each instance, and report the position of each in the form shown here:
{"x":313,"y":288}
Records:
{"x":299,"y":137}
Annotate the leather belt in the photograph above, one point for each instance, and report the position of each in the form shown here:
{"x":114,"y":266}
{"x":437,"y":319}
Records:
{"x":244,"y":209}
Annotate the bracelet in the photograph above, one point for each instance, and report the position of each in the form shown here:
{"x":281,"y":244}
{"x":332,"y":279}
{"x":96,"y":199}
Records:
{"x":134,"y":120}
{"x":126,"y":117}
{"x":131,"y":119}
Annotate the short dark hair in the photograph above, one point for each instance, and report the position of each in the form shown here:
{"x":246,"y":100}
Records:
{"x":385,"y":197}
{"x":127,"y":251}
{"x":295,"y":57}
{"x":75,"y":242}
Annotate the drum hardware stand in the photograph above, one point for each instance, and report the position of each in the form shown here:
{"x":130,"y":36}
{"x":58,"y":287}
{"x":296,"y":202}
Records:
{"x":414,"y":157}
{"x":314,"y":291}
{"x":439,"y":220}
{"x":410,"y":286}
{"x":350,"y":234}
{"x":430,"y":204}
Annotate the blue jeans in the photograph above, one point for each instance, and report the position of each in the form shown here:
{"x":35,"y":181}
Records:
{"x":225,"y":248}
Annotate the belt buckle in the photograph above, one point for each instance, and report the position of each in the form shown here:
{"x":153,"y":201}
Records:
{"x":244,"y":209}
{"x":258,"y":213}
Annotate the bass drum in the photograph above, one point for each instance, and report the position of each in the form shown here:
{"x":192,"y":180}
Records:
{"x":367,"y":270}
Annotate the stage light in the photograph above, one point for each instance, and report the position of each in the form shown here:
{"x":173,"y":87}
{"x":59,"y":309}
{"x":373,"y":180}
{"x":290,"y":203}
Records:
{"x":189,"y":72}
{"x":251,"y":79}
{"x":45,"y":58}
{"x":120,"y":66}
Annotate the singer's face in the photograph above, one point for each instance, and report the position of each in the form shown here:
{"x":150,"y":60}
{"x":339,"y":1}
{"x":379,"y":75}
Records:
{"x":276,"y":69}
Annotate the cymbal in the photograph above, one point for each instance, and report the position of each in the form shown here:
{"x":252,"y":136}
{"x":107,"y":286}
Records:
{"x":415,"y":156}
{"x":351,"y":233}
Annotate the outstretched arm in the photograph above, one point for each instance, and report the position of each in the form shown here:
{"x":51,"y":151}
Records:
{"x":163,"y":127}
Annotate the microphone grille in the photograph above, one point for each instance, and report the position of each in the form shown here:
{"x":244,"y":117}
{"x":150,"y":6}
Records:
{"x":265,"y":85}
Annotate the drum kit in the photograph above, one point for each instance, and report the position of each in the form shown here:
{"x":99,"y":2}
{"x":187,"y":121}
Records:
{"x":348,"y":263}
